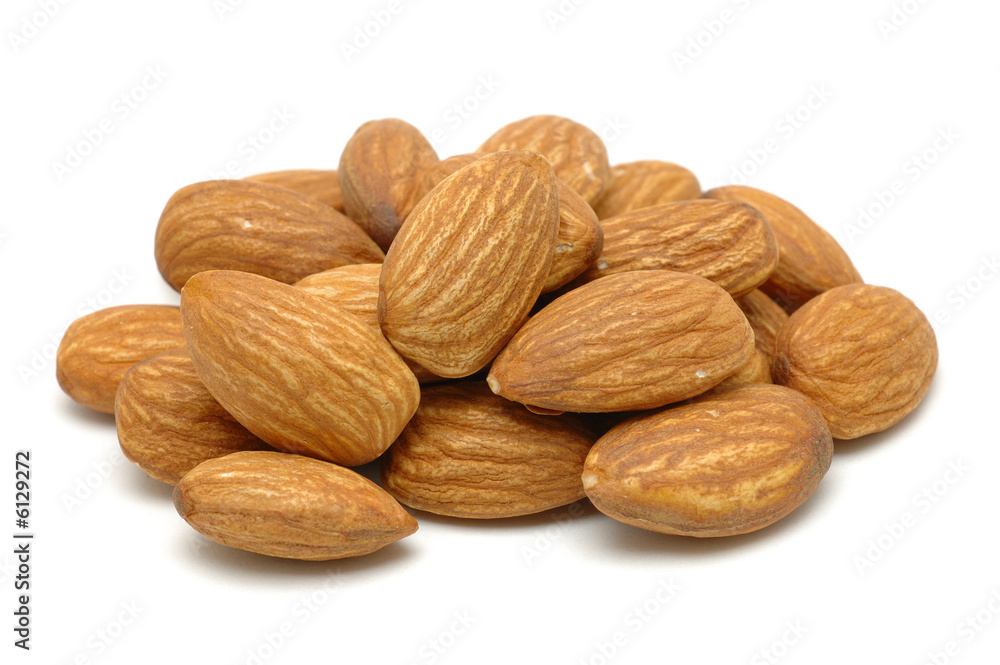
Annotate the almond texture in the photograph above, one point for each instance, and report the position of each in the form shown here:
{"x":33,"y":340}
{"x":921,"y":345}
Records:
{"x":766,"y":317}
{"x":322,"y":185}
{"x":647,"y":183}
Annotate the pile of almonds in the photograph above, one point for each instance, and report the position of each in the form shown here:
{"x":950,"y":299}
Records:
{"x":508,"y":331}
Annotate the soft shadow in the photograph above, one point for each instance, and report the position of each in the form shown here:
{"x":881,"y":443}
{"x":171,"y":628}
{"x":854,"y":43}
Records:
{"x":144,"y":487}
{"x":897,"y":431}
{"x":581,"y":510}
{"x":81,"y":413}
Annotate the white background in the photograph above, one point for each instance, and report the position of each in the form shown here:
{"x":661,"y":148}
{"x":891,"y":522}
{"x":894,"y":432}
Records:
{"x":555,"y":588}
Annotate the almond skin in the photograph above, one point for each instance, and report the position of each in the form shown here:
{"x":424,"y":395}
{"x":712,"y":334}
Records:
{"x":254,"y":227}
{"x":766,"y":317}
{"x":298,"y":371}
{"x":577,"y":155}
{"x":754,"y":371}
{"x":720,"y":466}
{"x":382,"y":176}
{"x":469,"y":263}
{"x":322,"y":185}
{"x":468,"y":453}
{"x":289,"y":506}
{"x":99,"y":348}
{"x":647,"y":183}
{"x":168,"y":423}
{"x":730,"y":244}
{"x":632,"y":341}
{"x":864,"y":354}
{"x":810,"y":260}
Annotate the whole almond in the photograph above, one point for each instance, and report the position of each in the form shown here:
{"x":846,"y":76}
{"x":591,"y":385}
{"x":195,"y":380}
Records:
{"x":766,"y":317}
{"x":254,"y":227}
{"x":864,"y":354}
{"x":296,"y":370}
{"x":647,"y":183}
{"x":730,"y":244}
{"x":168,"y":423}
{"x":322,"y":185}
{"x":468,"y":453}
{"x":720,"y":466}
{"x":577,"y":155}
{"x":469,"y":263}
{"x":289,"y":506}
{"x":99,"y":348}
{"x":632,"y":341}
{"x":755,"y":370}
{"x":810,"y":260}
{"x":382,"y":176}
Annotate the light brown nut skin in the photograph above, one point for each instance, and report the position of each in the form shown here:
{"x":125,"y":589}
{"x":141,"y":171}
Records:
{"x":730,"y":244}
{"x":766,"y":317}
{"x":289,"y":506}
{"x":627,"y":342}
{"x":647,"y":183}
{"x":864,"y":354}
{"x":382,"y":176}
{"x":168,"y":423}
{"x":720,"y":466}
{"x":298,"y":371}
{"x":810,"y":261}
{"x":468,"y":453}
{"x":578,"y":155}
{"x":754,"y":371}
{"x":99,"y":348}
{"x":470,"y":262}
{"x":322,"y":185}
{"x":254,"y":227}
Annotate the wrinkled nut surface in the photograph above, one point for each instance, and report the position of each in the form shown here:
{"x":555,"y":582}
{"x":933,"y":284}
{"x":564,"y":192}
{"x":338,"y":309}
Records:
{"x":631,"y":341}
{"x":766,"y":317}
{"x":167,"y":421}
{"x":577,"y":155}
{"x":865,"y":355}
{"x":301,"y":373}
{"x":319,"y":184}
{"x":254,"y":227}
{"x":382,"y":176}
{"x":754,"y":371}
{"x":647,"y":183}
{"x":289,"y":506}
{"x":468,"y":453}
{"x":99,"y":348}
{"x":720,"y":466}
{"x":469,"y":263}
{"x":730,"y":244}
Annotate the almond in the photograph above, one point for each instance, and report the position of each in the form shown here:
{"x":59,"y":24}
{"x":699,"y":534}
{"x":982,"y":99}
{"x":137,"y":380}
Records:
{"x":168,"y":423}
{"x":468,"y":453}
{"x":647,"y":183}
{"x":289,"y":506}
{"x":632,"y":341}
{"x":322,"y":185}
{"x":99,"y":348}
{"x":382,"y":176}
{"x":810,"y":260}
{"x":296,"y":370}
{"x":864,"y":354}
{"x":766,"y":317}
{"x":469,"y":263}
{"x":730,"y":244}
{"x":254,"y":227}
{"x":720,"y":466}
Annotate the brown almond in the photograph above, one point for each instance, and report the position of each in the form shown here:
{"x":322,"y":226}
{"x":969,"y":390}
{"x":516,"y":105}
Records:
{"x":766,"y":317}
{"x":755,"y":370}
{"x":647,"y":183}
{"x":320,"y":184}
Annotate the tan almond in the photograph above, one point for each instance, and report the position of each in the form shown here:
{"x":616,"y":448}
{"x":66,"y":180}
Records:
{"x":647,"y":183}
{"x":766,"y":317}
{"x":320,"y":184}
{"x":755,"y":370}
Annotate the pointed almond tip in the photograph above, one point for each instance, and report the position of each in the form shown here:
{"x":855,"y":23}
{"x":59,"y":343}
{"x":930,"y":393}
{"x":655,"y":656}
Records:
{"x":494,"y":384}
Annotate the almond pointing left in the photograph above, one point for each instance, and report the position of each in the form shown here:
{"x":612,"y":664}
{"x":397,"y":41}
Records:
{"x":301,"y":373}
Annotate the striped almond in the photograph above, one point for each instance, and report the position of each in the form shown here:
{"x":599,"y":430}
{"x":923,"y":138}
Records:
{"x":320,"y":184}
{"x":766,"y":317}
{"x":647,"y":183}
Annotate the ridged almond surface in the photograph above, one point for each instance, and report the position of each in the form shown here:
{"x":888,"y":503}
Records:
{"x":766,"y":317}
{"x":254,"y":227}
{"x":468,"y":453}
{"x":810,"y":260}
{"x":469,"y":263}
{"x":864,"y":354}
{"x":647,"y":183}
{"x":99,"y":348}
{"x":577,"y":155}
{"x":289,"y":506}
{"x":168,"y":423}
{"x":382,"y":176}
{"x":631,"y":341}
{"x":322,"y":185}
{"x":730,"y":244}
{"x":298,"y":371}
{"x":720,"y":466}
{"x":755,"y":370}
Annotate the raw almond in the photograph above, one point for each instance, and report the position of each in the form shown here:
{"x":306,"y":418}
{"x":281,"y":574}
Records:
{"x":289,"y":506}
{"x":647,"y":183}
{"x":766,"y":317}
{"x":296,"y":370}
{"x":720,"y":466}
{"x":322,"y":185}
{"x":754,"y":371}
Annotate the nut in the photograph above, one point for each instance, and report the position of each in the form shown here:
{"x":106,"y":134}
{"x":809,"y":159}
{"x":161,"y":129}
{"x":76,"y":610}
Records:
{"x":648,"y":183}
{"x":766,"y":317}
{"x":322,"y":185}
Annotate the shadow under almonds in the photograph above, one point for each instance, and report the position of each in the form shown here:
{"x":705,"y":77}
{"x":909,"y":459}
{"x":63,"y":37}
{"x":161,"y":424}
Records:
{"x":575,"y":512}
{"x":144,"y":487}
{"x":898,"y":431}
{"x":82,"y":414}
